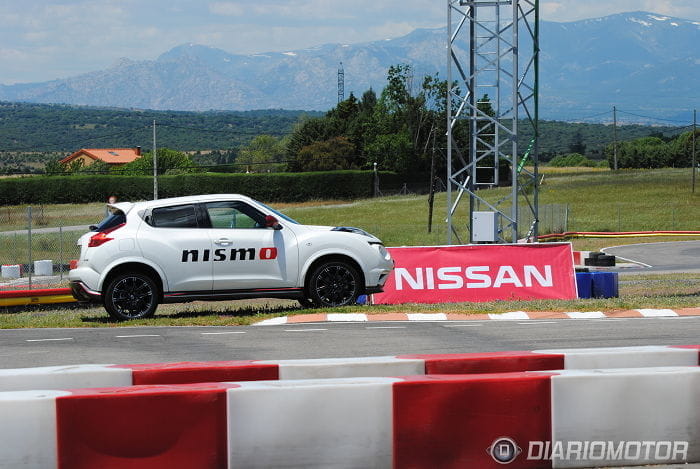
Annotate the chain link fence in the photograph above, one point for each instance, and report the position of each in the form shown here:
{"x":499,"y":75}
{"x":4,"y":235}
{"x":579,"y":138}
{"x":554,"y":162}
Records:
{"x":38,"y":243}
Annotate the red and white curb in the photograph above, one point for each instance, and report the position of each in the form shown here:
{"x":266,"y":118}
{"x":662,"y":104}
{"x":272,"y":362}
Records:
{"x":533,"y":419}
{"x":514,"y":315}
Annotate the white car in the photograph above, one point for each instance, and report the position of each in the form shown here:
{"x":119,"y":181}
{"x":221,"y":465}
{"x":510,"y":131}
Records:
{"x":221,"y":247}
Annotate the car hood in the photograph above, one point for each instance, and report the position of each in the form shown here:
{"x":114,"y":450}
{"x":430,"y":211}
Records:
{"x":343,"y":229}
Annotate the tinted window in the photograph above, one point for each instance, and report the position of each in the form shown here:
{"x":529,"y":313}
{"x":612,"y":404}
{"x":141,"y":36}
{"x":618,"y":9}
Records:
{"x":113,"y":219}
{"x":234,"y":215}
{"x":178,"y":216}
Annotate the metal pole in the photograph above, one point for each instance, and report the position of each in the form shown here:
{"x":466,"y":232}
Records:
{"x":29,"y":243}
{"x":615,"y":138}
{"x":155,"y":164}
{"x":516,"y":106}
{"x":449,"y":123}
{"x":695,"y":123}
{"x":60,"y":250}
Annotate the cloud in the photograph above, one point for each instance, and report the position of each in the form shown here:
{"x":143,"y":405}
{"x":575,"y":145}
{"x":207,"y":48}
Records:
{"x":226,"y":9}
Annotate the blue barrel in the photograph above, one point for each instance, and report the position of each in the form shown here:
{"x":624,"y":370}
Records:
{"x":605,"y":285}
{"x":584,"y":284}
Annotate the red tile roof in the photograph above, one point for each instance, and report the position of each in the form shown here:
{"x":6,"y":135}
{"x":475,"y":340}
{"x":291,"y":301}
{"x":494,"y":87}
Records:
{"x":108,"y":155}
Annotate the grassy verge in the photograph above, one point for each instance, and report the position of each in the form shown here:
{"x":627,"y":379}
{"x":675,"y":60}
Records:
{"x":639,"y":291}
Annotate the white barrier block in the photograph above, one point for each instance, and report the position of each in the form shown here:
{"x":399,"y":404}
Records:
{"x":64,"y":377}
{"x":347,"y":367}
{"x":11,"y":271}
{"x":642,"y":409}
{"x":341,"y":317}
{"x":658,"y":313}
{"x":626,"y":357}
{"x":272,"y":321}
{"x":586,"y":315}
{"x":43,"y":267}
{"x":426,"y":316}
{"x":28,"y":429}
{"x":311,"y":423}
{"x":513,"y":315}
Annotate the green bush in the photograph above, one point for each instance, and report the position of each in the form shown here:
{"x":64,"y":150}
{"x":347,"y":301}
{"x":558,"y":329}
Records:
{"x":572,"y":159}
{"x":272,"y":187}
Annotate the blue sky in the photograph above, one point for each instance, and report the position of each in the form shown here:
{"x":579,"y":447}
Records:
{"x":42,"y":40}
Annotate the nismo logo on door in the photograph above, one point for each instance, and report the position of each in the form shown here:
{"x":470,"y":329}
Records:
{"x":233,"y":254}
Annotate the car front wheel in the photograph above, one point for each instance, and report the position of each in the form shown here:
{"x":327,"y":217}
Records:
{"x":131,"y":296}
{"x":335,"y":283}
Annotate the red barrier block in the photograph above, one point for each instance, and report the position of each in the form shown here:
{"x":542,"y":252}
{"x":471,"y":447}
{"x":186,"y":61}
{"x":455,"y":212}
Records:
{"x":143,"y":427}
{"x":453,"y":421}
{"x":490,"y":362}
{"x":202,"y":372}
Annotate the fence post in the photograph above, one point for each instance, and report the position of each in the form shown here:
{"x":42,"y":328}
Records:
{"x":60,"y":251}
{"x":29,"y":244}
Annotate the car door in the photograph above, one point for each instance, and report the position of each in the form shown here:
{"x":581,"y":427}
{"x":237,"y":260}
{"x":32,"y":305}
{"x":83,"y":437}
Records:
{"x":173,"y":239}
{"x":247,"y":255}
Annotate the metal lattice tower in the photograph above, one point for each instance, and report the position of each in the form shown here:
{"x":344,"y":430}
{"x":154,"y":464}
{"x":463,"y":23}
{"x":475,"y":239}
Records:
{"x":501,"y":61}
{"x":341,"y":83}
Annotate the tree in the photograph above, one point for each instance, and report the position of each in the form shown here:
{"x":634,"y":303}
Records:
{"x":168,"y":160}
{"x":263,"y":153}
{"x":328,"y":155}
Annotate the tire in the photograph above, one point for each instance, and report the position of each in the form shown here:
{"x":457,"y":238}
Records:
{"x":131,"y":295}
{"x":334,"y":283}
{"x":306,"y":303}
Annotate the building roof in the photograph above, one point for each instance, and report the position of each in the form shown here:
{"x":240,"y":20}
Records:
{"x":108,"y":155}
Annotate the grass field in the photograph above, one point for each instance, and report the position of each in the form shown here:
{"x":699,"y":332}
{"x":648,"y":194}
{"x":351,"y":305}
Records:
{"x":597,"y":200}
{"x":638,"y":291}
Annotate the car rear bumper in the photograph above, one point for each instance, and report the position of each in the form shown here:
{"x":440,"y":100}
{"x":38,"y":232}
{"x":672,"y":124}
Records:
{"x":82,"y":293}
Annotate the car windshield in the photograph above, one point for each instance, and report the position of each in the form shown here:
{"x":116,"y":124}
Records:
{"x":112,"y":220}
{"x":280,"y":214}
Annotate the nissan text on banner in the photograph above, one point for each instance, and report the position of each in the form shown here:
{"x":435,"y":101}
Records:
{"x":482,"y":272}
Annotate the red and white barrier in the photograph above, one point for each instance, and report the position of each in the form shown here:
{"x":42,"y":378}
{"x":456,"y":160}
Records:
{"x":91,"y":376}
{"x":530,"y":419}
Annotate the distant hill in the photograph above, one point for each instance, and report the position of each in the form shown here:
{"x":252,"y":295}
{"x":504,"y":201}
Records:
{"x":643,"y":62}
{"x":59,"y":128}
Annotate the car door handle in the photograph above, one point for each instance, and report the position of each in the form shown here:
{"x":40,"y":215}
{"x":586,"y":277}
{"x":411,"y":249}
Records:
{"x":223,"y":242}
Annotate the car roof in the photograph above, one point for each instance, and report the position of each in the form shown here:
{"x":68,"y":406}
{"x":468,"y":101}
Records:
{"x":190,"y":199}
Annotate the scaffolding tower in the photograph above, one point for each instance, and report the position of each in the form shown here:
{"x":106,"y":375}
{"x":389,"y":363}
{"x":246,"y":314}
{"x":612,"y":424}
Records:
{"x":341,"y":83}
{"x":493,"y":90}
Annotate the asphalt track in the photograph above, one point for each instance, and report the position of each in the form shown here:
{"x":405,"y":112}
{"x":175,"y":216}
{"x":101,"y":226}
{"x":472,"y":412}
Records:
{"x":118,"y":345}
{"x":666,"y":257}
{"x":44,"y":347}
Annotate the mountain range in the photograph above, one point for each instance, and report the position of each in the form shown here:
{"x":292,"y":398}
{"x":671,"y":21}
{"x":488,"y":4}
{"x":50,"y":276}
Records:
{"x":644,"y":63}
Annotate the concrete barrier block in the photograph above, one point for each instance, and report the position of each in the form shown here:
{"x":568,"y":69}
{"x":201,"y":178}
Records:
{"x":644,"y":408}
{"x":43,"y":267}
{"x":311,"y":423}
{"x":348,"y":367}
{"x":63,"y":377}
{"x":28,"y":429}
{"x":11,"y":271}
{"x":626,"y":357}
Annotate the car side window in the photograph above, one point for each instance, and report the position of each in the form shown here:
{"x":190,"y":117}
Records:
{"x":234,"y":214}
{"x":177,"y":216}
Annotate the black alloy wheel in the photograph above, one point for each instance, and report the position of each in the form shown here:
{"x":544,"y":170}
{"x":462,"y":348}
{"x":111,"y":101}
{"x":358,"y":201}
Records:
{"x":131,"y":296}
{"x":334,"y":283}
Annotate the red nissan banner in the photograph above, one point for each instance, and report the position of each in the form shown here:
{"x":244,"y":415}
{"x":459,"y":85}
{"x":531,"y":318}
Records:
{"x":480,"y":272}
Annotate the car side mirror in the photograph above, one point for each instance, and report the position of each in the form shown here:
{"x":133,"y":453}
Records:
{"x":272,"y":222}
{"x":92,"y":227}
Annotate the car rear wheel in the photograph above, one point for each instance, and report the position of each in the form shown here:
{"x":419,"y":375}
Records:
{"x":131,"y":296}
{"x":334,"y":283}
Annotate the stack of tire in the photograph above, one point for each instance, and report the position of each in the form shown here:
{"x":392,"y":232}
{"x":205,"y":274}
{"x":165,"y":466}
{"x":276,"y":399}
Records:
{"x":599,"y":259}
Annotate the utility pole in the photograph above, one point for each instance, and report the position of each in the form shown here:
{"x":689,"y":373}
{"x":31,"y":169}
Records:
{"x":615,"y":138}
{"x":155,"y":164}
{"x":695,"y":124}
